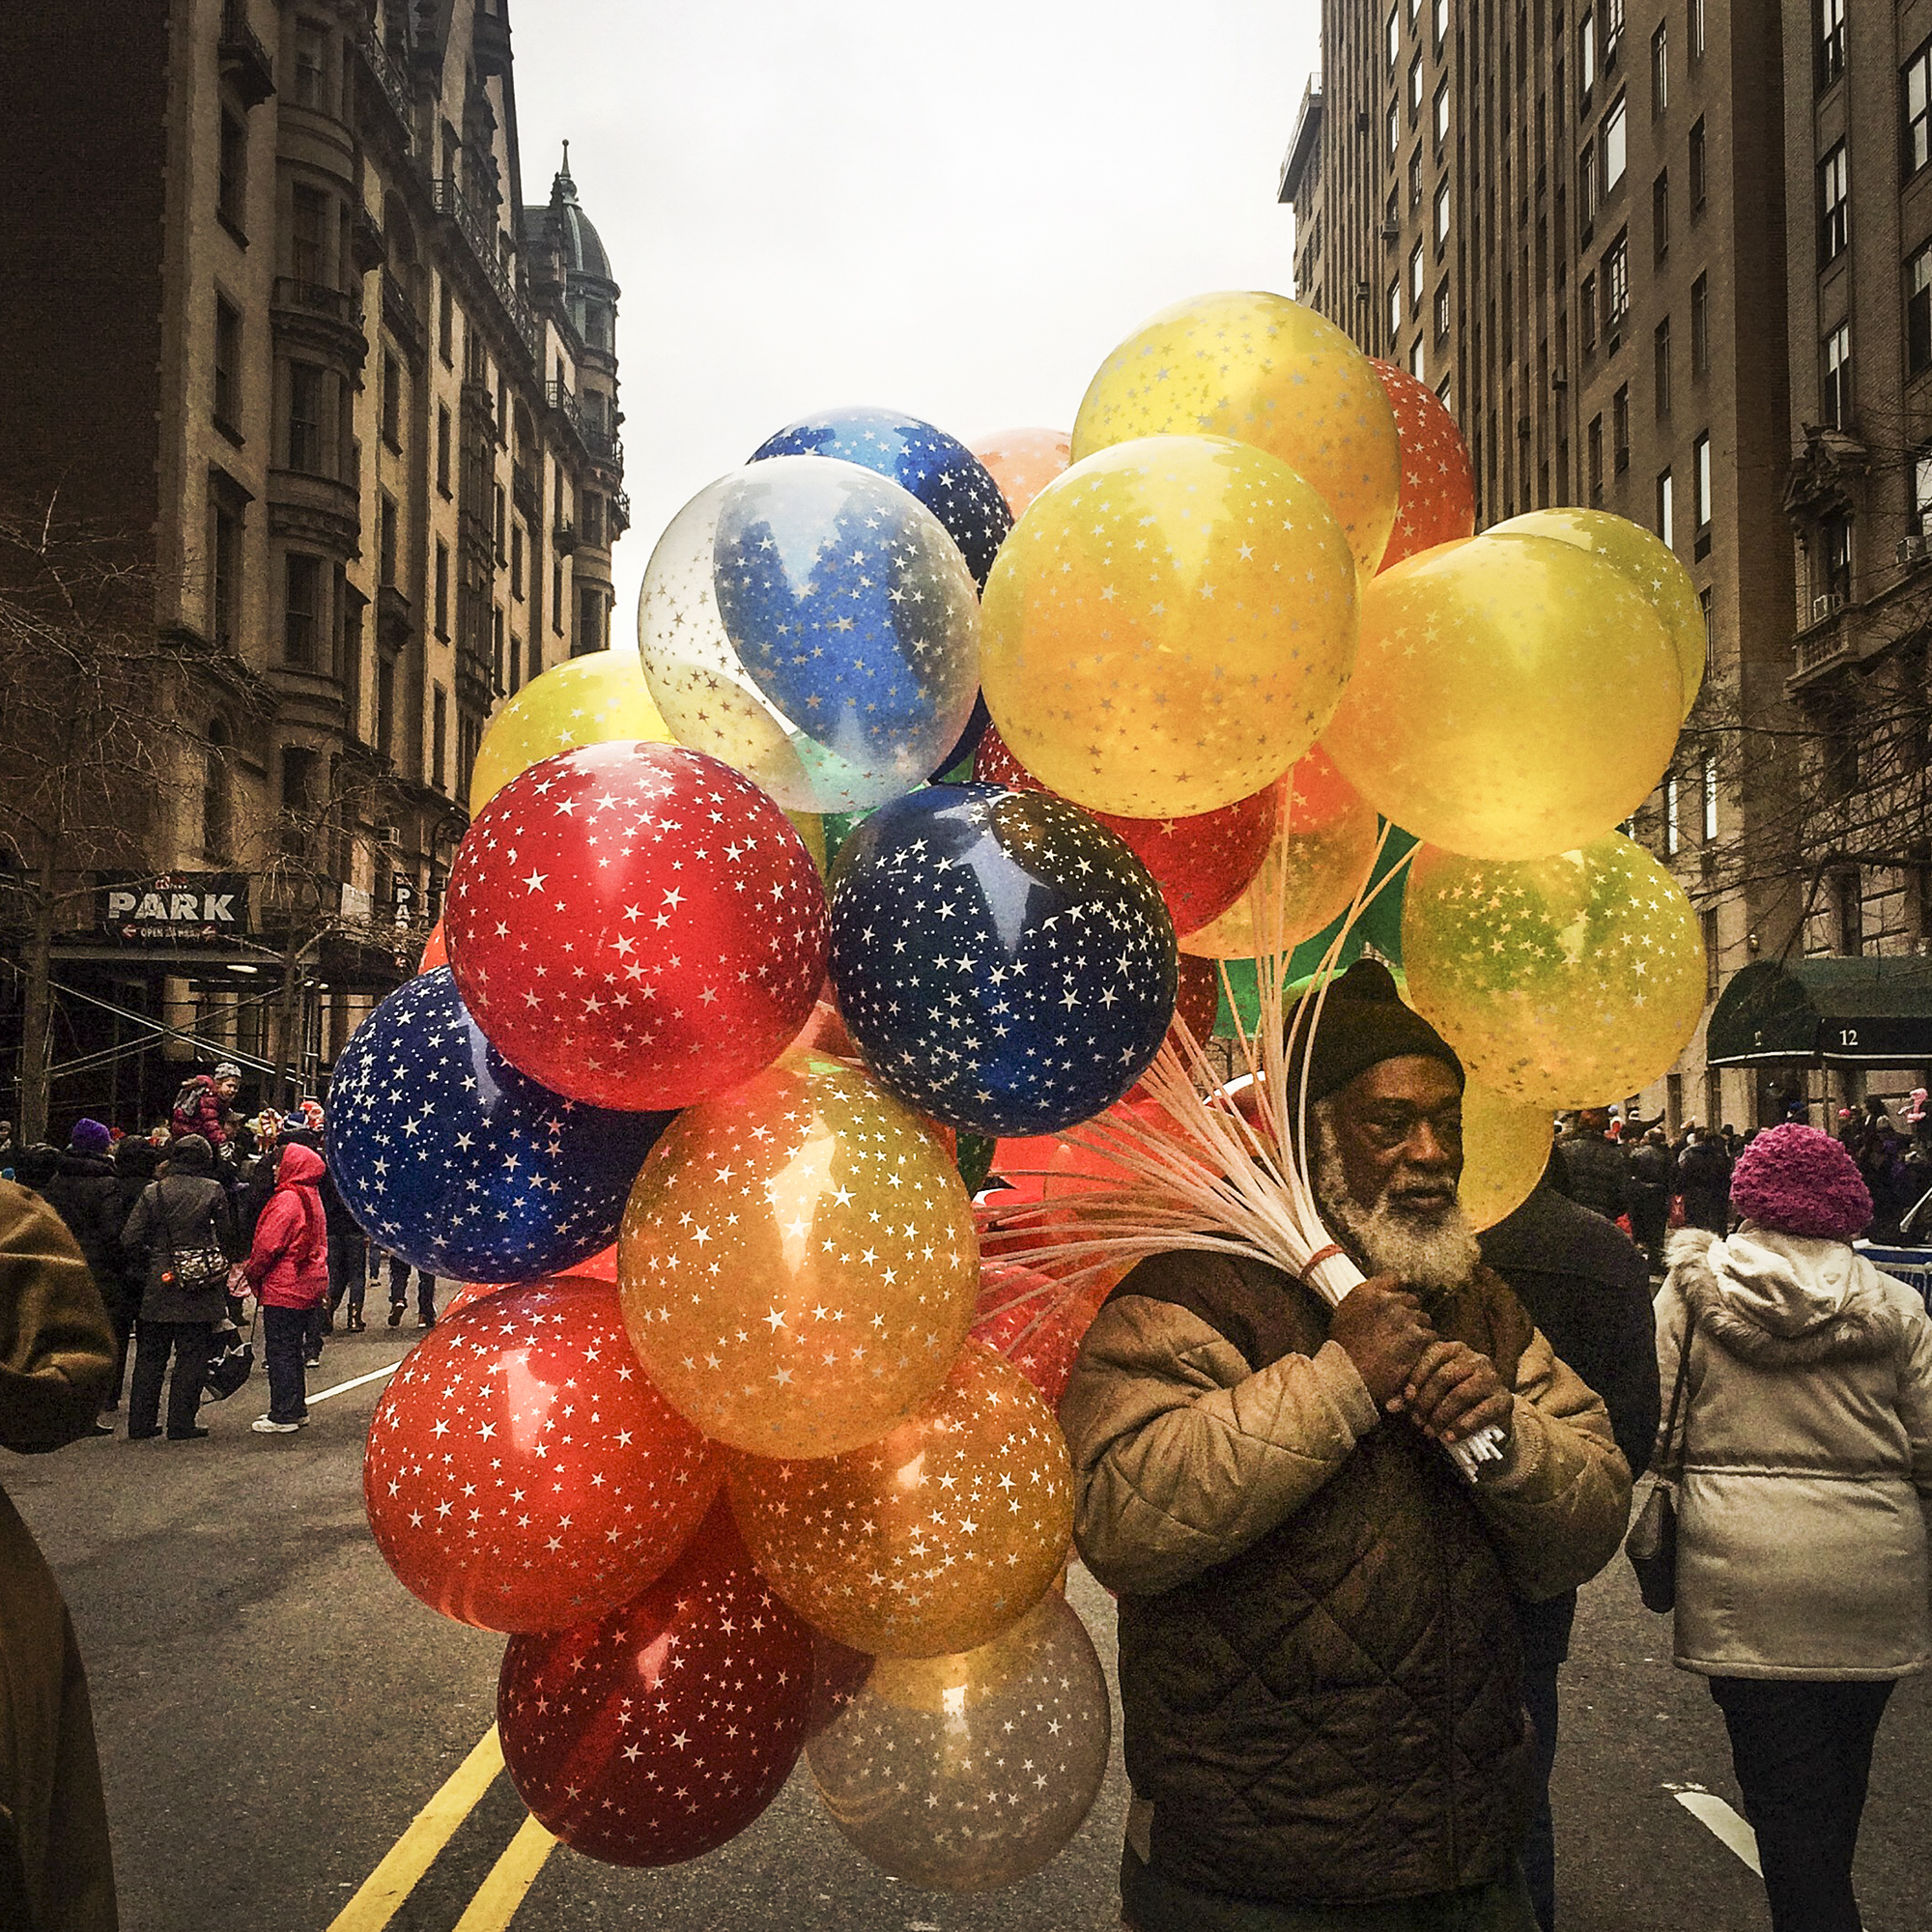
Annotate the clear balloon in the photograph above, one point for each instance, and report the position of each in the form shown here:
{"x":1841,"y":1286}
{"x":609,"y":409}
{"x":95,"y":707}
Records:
{"x":1004,"y":963}
{"x":1324,"y":843}
{"x":663,"y":1729}
{"x":636,"y":926}
{"x":1505,"y":1149}
{"x":968,"y":1771}
{"x":934,"y":1538}
{"x":1438,"y":485}
{"x":1023,"y":462}
{"x":937,"y":468}
{"x":1557,"y":980}
{"x":1266,"y":370}
{"x":799,"y":1263}
{"x":1643,"y":559}
{"x":1513,"y":696}
{"x":522,"y":1472}
{"x":1169,"y":627}
{"x":586,"y":701}
{"x":450,"y":1158}
{"x":1202,"y":865}
{"x":811,"y":623}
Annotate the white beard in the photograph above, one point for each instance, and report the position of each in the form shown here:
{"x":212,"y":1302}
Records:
{"x":1441,"y":1252}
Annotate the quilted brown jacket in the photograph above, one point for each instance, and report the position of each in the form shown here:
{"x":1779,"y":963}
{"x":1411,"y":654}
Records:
{"x":1319,"y":1656}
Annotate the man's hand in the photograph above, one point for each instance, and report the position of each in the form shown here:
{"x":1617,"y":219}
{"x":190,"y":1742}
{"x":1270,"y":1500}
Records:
{"x":1452,"y":1392}
{"x":1382,"y":1327}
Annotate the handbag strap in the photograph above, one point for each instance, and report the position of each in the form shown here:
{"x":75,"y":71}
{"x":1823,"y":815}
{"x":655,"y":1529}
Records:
{"x":1677,"y":1393}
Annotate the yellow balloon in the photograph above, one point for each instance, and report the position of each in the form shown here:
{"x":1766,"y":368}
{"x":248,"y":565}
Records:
{"x":1557,"y":980}
{"x":1513,"y":697}
{"x":1647,"y":561}
{"x":1314,"y":863}
{"x":1505,"y":1149}
{"x":1267,"y":371}
{"x":586,"y":701}
{"x":1168,"y":627}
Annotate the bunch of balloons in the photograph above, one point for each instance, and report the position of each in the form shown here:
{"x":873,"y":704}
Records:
{"x":781,"y":1464}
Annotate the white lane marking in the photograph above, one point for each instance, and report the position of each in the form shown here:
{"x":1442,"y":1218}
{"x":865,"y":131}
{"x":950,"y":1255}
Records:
{"x":1721,"y":1821}
{"x":343,"y":1388}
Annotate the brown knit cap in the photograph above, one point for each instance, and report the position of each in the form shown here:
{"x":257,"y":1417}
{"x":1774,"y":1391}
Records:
{"x":1363,"y":1022}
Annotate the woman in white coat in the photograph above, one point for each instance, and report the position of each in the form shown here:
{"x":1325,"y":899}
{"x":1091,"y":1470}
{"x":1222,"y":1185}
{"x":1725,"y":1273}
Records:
{"x":1805,"y":1451}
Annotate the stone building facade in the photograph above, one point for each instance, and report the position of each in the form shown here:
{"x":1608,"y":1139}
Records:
{"x":298,"y":332}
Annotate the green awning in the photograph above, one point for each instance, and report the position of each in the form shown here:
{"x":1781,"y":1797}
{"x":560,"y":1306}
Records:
{"x":1824,"y":1012}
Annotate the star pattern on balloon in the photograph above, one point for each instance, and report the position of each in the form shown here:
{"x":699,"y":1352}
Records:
{"x":587,"y":700}
{"x":1023,"y":462}
{"x":798,"y":1263}
{"x":926,"y":463}
{"x":450,"y":1157}
{"x":1169,"y":627}
{"x":811,"y":623}
{"x":1568,"y":981}
{"x":522,"y":1472}
{"x":929,"y":1540}
{"x":659,"y":1731}
{"x":635,"y":924}
{"x":1438,"y":485}
{"x":968,"y":1771}
{"x":1004,"y":963}
{"x":1264,"y":370}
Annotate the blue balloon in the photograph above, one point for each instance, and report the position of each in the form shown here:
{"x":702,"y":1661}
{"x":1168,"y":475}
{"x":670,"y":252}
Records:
{"x":450,"y":1157}
{"x":937,"y":468}
{"x":1003,"y":962}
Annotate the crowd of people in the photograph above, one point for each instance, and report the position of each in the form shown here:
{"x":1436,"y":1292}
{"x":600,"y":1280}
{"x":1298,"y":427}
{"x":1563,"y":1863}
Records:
{"x":188,"y":1224}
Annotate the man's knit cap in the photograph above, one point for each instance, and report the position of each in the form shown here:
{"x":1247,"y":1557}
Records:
{"x":1363,"y":1022}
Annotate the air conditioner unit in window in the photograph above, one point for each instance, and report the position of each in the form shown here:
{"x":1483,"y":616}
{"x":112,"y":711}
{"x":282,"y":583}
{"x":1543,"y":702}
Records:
{"x":1824,"y":607}
{"x":390,"y":836}
{"x":1911,"y":550}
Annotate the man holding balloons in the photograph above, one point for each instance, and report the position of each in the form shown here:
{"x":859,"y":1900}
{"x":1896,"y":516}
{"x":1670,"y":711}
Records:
{"x":1319,"y":1657}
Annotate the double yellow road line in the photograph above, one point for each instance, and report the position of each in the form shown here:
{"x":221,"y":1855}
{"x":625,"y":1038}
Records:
{"x":401,"y":1870}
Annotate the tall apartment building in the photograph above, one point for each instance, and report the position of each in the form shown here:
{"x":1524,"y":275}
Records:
{"x":293,"y":330}
{"x":1569,"y":217}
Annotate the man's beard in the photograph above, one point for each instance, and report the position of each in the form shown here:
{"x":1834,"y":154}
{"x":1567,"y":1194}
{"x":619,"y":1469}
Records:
{"x":1439,"y":1251}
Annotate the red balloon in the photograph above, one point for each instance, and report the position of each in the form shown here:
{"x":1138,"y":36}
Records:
{"x":1035,"y":1322}
{"x":522,"y":1473}
{"x":636,"y":926}
{"x":1202,"y":865}
{"x":599,"y":1267}
{"x":1438,"y":485}
{"x":663,"y":1729}
{"x":436,"y":950}
{"x":1199,"y":999}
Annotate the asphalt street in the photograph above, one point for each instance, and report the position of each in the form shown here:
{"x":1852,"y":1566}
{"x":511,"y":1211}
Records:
{"x":274,"y":1711}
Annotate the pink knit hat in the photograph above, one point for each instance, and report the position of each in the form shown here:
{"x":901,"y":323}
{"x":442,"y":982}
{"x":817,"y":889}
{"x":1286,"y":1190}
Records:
{"x":1795,"y":1181}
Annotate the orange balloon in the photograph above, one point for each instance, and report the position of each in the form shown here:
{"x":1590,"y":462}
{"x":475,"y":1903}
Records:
{"x":435,"y":952}
{"x":1438,"y":486}
{"x":1023,"y":462}
{"x":798,"y":1260}
{"x":934,"y":1538}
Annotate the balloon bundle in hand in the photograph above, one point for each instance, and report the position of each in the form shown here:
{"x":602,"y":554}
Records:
{"x":809,"y":1415}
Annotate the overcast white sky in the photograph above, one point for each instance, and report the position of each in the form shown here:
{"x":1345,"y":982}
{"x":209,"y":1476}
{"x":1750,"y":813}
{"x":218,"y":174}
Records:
{"x":952,"y":211}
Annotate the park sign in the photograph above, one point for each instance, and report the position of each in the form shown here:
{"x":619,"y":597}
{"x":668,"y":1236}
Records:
{"x":175,"y":908}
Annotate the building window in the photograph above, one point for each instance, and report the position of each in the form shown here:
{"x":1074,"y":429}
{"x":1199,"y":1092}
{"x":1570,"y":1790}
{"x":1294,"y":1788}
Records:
{"x":1919,"y":309}
{"x":224,"y":560}
{"x":439,"y":738}
{"x":1394,"y":126}
{"x":445,"y":324}
{"x":305,"y":438}
{"x":1837,"y":548}
{"x":441,"y":589}
{"x":589,"y":622}
{"x":392,"y":401}
{"x":1394,"y":37}
{"x":517,"y":562}
{"x":216,"y":818}
{"x":1834,"y":400}
{"x":1660,"y":362}
{"x":1442,"y":23}
{"x":1922,"y":491}
{"x":537,"y":656}
{"x":308,"y":236}
{"x":301,"y":610}
{"x":497,"y":646}
{"x":1596,"y":442}
{"x":1441,"y":114}
{"x":1707,"y":610}
{"x":1917,"y":89}
{"x":1415,"y":359}
{"x":299,"y":796}
{"x":1415,"y":91}
{"x":442,"y":430}
{"x":1699,"y":181}
{"x":1441,"y":310}
{"x":1616,"y":285}
{"x":1700,"y":327}
{"x":1613,"y":32}
{"x":311,"y":65}
{"x":556,"y":597}
{"x":1670,"y":833}
{"x":1620,"y":429}
{"x":1614,"y":145}
{"x":516,"y":662}
{"x":386,"y":703}
{"x":1417,"y":281}
{"x":385,"y":540}
{"x":1586,"y":191}
{"x":1700,"y":492}
{"x":1587,"y":58}
{"x":227,"y":367}
{"x":1395,"y":309}
{"x":1660,"y":69}
{"x":1587,"y":309}
{"x":1830,"y":41}
{"x":1442,"y":216}
{"x":1708,"y":923}
{"x":231,"y":178}
{"x":1694,"y":11}
{"x":1835,"y":205}
{"x":1659,"y":215}
{"x":1665,"y":521}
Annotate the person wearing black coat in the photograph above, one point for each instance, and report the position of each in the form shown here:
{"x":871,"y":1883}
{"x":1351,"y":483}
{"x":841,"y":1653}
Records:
{"x":136,"y":1159}
{"x":184,"y":1211}
{"x":1595,"y":1169}
{"x":86,"y":1195}
{"x":1587,"y":1288}
{"x":1652,"y":1174}
{"x":1704,"y":1180}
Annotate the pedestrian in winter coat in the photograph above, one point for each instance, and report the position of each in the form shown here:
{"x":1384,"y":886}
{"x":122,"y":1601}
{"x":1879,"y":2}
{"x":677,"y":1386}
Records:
{"x":56,"y":1864}
{"x":288,"y":1266}
{"x":1805,"y":1451}
{"x":85,"y":1192}
{"x":1586,"y":1286}
{"x":1595,"y":1169}
{"x":184,"y":1214}
{"x":1652,"y":1173}
{"x":1704,"y":1180}
{"x":202,"y":1106}
{"x":1318,"y":1660}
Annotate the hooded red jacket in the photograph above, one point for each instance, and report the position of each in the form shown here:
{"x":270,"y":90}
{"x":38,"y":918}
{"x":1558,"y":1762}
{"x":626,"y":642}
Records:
{"x":288,"y":1264}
